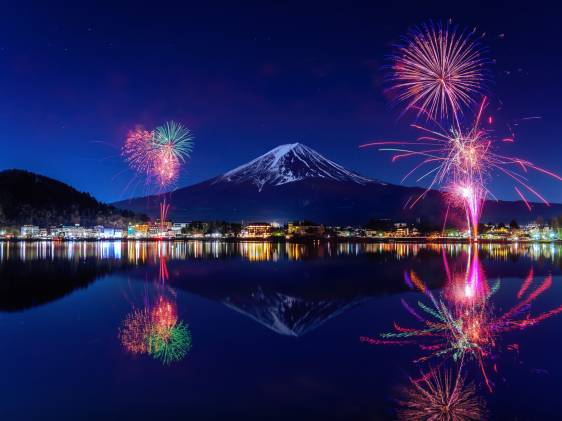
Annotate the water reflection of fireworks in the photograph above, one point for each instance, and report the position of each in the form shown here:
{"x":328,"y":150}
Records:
{"x":464,"y":327}
{"x":155,"y":329}
{"x":169,"y":343}
{"x":134,"y":330}
{"x":440,"y":395}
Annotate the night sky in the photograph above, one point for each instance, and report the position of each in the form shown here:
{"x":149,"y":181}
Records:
{"x":74,"y":79}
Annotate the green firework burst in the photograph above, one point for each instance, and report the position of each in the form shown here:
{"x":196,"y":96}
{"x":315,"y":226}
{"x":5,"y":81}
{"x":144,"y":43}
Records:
{"x":176,"y":138}
{"x":170,"y":344}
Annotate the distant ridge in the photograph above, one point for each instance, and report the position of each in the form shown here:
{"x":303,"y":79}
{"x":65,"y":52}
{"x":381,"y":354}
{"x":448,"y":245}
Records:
{"x":293,"y":181}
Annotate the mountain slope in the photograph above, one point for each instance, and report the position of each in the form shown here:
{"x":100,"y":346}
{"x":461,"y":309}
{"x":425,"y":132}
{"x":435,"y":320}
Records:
{"x":293,"y":182}
{"x":28,"y":198}
{"x":287,"y":164}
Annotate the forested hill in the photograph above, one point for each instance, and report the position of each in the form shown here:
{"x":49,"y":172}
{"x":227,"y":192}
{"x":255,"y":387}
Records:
{"x":28,"y":198}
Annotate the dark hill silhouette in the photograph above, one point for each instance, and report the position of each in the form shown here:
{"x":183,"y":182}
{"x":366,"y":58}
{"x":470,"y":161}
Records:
{"x":28,"y":198}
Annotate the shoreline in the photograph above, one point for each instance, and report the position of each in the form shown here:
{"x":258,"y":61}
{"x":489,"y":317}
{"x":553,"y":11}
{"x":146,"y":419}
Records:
{"x":301,"y":240}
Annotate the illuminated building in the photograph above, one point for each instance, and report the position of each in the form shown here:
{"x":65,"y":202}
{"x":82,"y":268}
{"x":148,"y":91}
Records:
{"x":402,"y":229}
{"x":72,"y":231}
{"x":28,"y":231}
{"x":138,"y":230}
{"x":256,"y":230}
{"x":305,"y":229}
{"x":158,"y":229}
{"x":112,"y":233}
{"x":177,"y":227}
{"x":374,"y":233}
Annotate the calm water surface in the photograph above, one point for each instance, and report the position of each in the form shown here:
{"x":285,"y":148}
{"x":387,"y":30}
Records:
{"x":204,"y":330}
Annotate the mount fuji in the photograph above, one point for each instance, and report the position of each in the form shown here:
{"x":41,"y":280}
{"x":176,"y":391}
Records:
{"x":295,"y":182}
{"x":288,"y":164}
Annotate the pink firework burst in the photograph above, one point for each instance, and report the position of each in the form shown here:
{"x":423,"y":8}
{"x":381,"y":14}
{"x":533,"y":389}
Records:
{"x":138,"y":150}
{"x":462,"y":161}
{"x":165,"y":167}
{"x":438,"y":69}
{"x":158,"y":154}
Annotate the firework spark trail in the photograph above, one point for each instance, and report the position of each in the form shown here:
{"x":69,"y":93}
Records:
{"x":410,"y":310}
{"x":439,"y":69}
{"x":547,"y":283}
{"x":375,"y":341}
{"x":416,"y":280}
{"x":163,"y":275}
{"x":523,"y":198}
{"x":462,"y":162}
{"x":164,"y":209}
{"x":408,"y":280}
{"x":526,"y":284}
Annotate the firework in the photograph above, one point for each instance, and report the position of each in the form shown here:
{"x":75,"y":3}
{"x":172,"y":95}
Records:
{"x":138,"y":150}
{"x":173,"y":144}
{"x":466,"y":327}
{"x":169,"y":344}
{"x":165,"y":166}
{"x":438,"y":69}
{"x":164,"y":209}
{"x":469,"y":286}
{"x":462,"y":162}
{"x":440,"y":396}
{"x":158,"y":154}
{"x":135,"y":330}
{"x":175,"y":139}
{"x":163,"y":274}
{"x":164,"y":314}
{"x":156,"y":331}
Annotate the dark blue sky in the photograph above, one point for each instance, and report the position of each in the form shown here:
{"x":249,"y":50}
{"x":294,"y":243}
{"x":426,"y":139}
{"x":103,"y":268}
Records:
{"x":247,"y":77}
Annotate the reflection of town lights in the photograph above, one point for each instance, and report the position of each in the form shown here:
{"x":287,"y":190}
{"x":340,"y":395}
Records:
{"x":469,"y":291}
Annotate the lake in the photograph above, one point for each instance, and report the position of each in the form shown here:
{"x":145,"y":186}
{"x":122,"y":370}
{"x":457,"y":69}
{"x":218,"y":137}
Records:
{"x":252,"y":330}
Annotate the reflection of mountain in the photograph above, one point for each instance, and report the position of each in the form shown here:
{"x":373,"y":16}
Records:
{"x":288,"y":315}
{"x":294,"y":299}
{"x":30,"y":283}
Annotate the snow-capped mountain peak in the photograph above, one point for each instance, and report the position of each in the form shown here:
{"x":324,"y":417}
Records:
{"x":289,"y":163}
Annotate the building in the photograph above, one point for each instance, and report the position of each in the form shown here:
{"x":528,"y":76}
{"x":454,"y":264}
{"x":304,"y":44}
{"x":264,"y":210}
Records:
{"x":256,"y":230}
{"x":305,"y":229}
{"x":138,"y":231}
{"x":401,"y":229}
{"x":73,"y":231}
{"x":158,"y":229}
{"x":177,"y":227}
{"x":29,"y":231}
{"x":110,"y":233}
{"x":373,"y":233}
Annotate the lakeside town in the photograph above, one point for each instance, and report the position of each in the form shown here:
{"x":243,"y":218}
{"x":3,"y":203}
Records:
{"x":378,"y":230}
